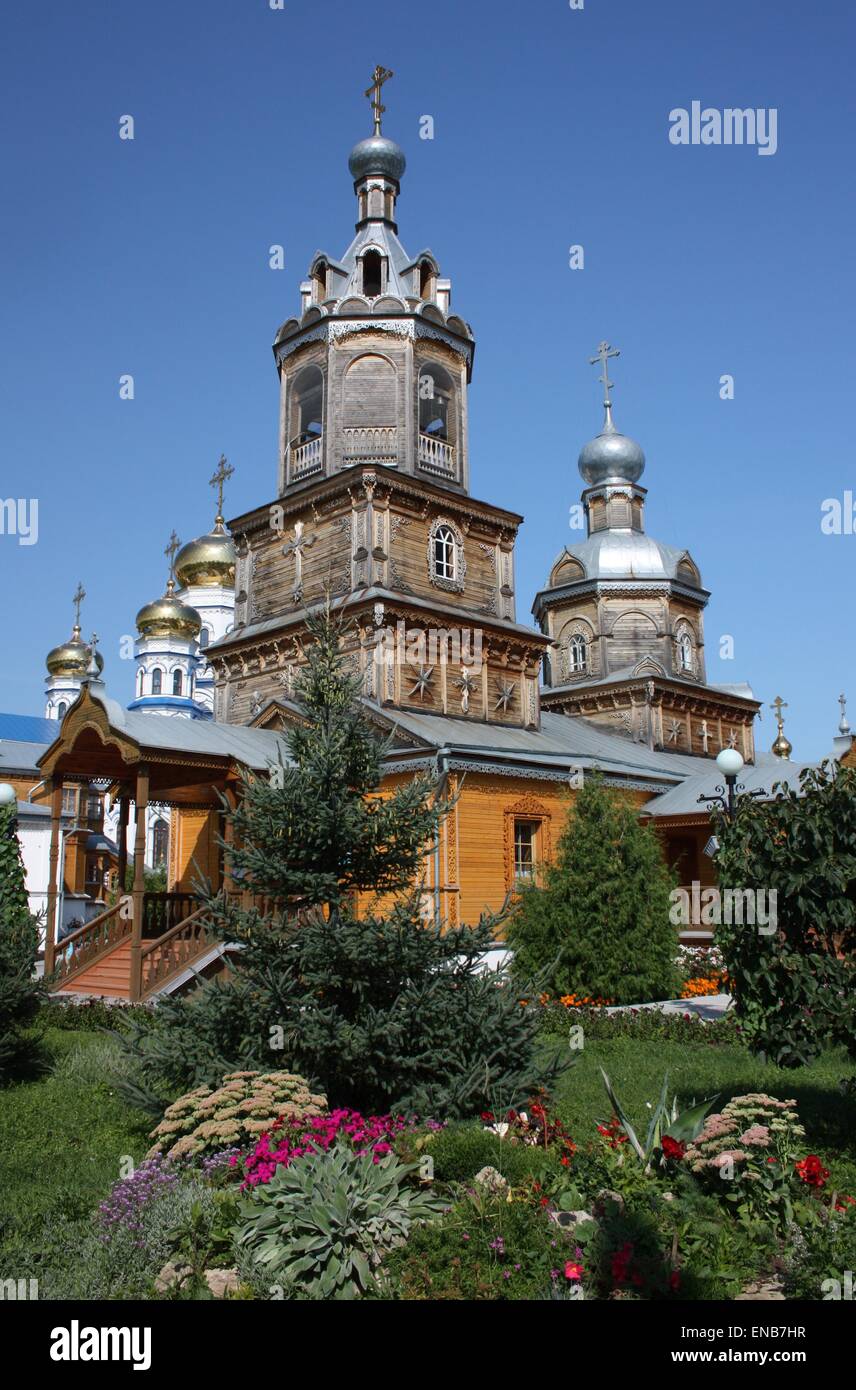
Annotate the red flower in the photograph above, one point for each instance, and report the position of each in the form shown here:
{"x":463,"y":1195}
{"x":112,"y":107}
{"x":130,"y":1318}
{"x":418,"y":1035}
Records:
{"x":812,"y":1171}
{"x":564,"y":1161}
{"x":573,"y":1271}
{"x":672,"y":1148}
{"x":487,"y":1116}
{"x":675,"y":1280}
{"x":620,"y":1261}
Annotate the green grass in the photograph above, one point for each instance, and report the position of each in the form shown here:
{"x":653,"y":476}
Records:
{"x":63,"y":1135}
{"x":636,"y":1070}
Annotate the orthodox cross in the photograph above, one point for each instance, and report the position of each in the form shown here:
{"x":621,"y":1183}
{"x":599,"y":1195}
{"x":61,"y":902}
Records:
{"x":80,"y":595}
{"x":466,"y":685}
{"x":223,"y":474}
{"x":604,"y":352}
{"x":843,"y":727}
{"x":705,"y":735}
{"x":296,"y":548}
{"x":379,"y":76}
{"x":423,"y":682}
{"x":778,"y":705}
{"x":171,"y":551}
{"x":506,"y":695}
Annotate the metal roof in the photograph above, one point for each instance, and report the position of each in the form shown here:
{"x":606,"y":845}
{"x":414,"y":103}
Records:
{"x":23,"y":757}
{"x":27,"y":728}
{"x":561,"y":739}
{"x":683,"y":800}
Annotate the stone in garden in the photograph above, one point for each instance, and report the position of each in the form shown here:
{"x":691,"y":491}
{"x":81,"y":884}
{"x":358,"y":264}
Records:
{"x":490,"y":1179}
{"x":571,"y":1220}
{"x":222,"y":1281}
{"x":607,"y":1195}
{"x":170,"y":1275}
{"x":762,"y":1291}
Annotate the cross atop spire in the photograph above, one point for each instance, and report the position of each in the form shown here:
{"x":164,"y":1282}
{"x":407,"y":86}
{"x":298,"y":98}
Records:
{"x":844,"y":726}
{"x":379,"y":76}
{"x":77,"y":599}
{"x":778,"y":705}
{"x":171,"y":551}
{"x":604,"y":352}
{"x":222,"y":476}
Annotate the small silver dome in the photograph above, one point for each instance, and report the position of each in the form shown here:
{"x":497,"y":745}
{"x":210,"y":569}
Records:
{"x":377,"y":155}
{"x":611,"y":457}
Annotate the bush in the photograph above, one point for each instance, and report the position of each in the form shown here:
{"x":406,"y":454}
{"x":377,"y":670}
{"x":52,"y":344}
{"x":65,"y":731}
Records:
{"x":794,"y":986}
{"x":642,"y":1025}
{"x":461,"y":1151}
{"x":245,"y":1105}
{"x":20,"y":991}
{"x":598,"y":925}
{"x":321,"y":1227}
{"x":822,"y":1256}
{"x":487,"y":1248}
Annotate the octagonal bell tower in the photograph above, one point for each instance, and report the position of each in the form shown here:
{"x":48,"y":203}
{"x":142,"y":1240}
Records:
{"x":375,"y":368}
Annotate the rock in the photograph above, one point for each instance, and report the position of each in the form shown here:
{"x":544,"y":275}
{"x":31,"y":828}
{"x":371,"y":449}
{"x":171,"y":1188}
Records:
{"x":570,"y":1220}
{"x":222,"y":1281}
{"x":762,"y":1291}
{"x":170,"y":1275}
{"x":490,"y":1179}
{"x":606,"y":1195}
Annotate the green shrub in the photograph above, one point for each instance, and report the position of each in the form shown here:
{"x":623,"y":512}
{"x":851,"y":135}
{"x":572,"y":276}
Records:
{"x":321,"y":1226}
{"x":460,"y":1151}
{"x":641,"y":1025}
{"x":597,"y":924}
{"x":244,"y":1106}
{"x":821,"y":1256}
{"x":20,"y":991}
{"x":485,"y":1248}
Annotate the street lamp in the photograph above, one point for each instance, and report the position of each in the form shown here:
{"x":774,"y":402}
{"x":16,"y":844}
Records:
{"x":730,"y":764}
{"x":8,"y":795}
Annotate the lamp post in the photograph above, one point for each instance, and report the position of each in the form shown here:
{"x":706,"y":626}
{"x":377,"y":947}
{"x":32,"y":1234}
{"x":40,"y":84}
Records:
{"x":730,"y":764}
{"x":8,"y":797}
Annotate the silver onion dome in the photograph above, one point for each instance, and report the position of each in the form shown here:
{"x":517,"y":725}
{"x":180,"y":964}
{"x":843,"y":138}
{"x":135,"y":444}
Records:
{"x":611,"y":457}
{"x":377,"y":154}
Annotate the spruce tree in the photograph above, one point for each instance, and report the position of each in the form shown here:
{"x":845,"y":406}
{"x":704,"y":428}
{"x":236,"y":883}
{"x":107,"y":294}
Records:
{"x":597,"y":924}
{"x":20,"y":991}
{"x":379,"y":1007}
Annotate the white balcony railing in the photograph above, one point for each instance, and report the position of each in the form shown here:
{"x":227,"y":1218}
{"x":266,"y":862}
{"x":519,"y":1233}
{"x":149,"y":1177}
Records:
{"x":371,"y":444}
{"x":305,"y":458}
{"x":436,"y":454}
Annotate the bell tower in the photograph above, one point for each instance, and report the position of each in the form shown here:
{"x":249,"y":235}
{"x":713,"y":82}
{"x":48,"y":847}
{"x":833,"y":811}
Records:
{"x":373,"y":506}
{"x":375,"y":367}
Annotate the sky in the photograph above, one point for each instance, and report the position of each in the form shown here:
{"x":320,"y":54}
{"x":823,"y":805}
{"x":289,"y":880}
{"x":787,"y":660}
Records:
{"x":551,"y":129}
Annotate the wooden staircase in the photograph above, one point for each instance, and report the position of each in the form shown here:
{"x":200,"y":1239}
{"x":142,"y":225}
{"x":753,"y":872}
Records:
{"x":98,"y":958}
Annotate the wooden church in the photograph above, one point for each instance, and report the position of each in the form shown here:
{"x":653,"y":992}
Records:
{"x":373,"y":508}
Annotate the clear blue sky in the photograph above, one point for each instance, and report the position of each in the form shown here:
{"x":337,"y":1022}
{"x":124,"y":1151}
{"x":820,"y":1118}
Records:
{"x":551,"y":128}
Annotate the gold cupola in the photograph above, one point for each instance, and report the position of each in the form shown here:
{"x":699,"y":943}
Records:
{"x":208,"y":562}
{"x":71,"y":658}
{"x":782,"y":747}
{"x":169,"y":617}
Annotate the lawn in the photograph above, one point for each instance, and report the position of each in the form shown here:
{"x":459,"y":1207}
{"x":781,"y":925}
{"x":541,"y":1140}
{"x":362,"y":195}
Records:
{"x":636,"y":1070}
{"x":63,"y":1135}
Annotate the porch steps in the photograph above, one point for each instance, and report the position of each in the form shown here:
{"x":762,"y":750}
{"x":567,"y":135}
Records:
{"x":107,"y":978}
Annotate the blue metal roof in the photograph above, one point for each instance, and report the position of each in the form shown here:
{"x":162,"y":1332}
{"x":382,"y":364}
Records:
{"x":28,"y":728}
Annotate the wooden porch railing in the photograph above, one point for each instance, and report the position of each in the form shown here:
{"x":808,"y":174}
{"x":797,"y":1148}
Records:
{"x":92,"y":941}
{"x":164,"y":911}
{"x":163,"y":959}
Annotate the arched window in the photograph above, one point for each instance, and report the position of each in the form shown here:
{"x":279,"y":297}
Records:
{"x":577,"y":655}
{"x":157,"y":681}
{"x":426,"y":280}
{"x":176,"y":682}
{"x":685,"y":647}
{"x":444,"y":553}
{"x":373,"y":264}
{"x":60,"y":710}
{"x":319,"y":282}
{"x":307,"y":406}
{"x":436,"y":403}
{"x":140,"y":682}
{"x":160,"y":843}
{"x":204,"y":638}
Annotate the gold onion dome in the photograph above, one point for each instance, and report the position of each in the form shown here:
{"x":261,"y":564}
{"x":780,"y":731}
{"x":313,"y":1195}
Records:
{"x":782,"y":748}
{"x":208,"y":562}
{"x":72,"y":658}
{"x":168,"y":617}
